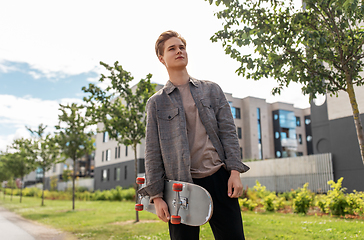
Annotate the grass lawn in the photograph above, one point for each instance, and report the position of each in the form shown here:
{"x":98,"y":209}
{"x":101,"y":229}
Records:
{"x":114,"y":220}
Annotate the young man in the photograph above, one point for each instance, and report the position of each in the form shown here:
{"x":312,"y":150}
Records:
{"x":191,"y":137}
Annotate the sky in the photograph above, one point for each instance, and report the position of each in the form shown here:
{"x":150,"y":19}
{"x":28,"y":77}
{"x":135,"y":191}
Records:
{"x":49,"y":50}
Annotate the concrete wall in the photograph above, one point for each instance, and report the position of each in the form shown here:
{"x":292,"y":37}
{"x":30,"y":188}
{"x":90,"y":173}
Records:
{"x":284,"y":174}
{"x":89,"y":183}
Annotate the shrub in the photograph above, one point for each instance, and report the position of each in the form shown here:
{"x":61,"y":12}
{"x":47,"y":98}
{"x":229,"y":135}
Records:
{"x":248,"y":203}
{"x":128,"y":194}
{"x":336,"y":200}
{"x":286,"y":195}
{"x":261,"y":191}
{"x":279,"y":203}
{"x":320,"y":201}
{"x":117,"y":194}
{"x":355,"y":202}
{"x":269,"y":202}
{"x":31,"y":192}
{"x":82,"y":189}
{"x":303,"y":200}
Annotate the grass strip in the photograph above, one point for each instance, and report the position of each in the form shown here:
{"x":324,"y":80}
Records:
{"x":115,"y":220}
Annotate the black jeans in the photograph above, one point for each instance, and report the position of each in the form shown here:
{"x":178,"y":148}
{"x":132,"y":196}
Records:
{"x":226,"y":222}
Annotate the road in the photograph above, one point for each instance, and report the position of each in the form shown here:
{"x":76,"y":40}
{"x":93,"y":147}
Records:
{"x":15,"y":227}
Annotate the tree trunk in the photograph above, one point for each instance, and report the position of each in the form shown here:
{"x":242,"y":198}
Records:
{"x":43,"y":187}
{"x":12,"y":187}
{"x":21,"y":188}
{"x":73,"y":184}
{"x":135,"y":177}
{"x":356,"y":115}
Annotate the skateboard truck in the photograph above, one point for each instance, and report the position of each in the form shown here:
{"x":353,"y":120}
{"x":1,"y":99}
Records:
{"x":177,"y":203}
{"x":139,"y":205}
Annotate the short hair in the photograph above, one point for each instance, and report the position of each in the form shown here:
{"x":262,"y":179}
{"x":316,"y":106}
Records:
{"x":159,"y":45}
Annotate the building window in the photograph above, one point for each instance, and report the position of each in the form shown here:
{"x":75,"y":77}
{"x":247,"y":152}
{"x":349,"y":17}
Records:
{"x":241,"y":153}
{"x":309,"y":138}
{"x":118,"y":151}
{"x":125,"y":172}
{"x":300,"y":138}
{"x":278,"y":154}
{"x":126,"y":151}
{"x":239,"y":132}
{"x":259,"y":134}
{"x":237,"y":113}
{"x":117,"y":174}
{"x":102,"y":156}
{"x":105,"y":137}
{"x":39,"y":173}
{"x":298,"y":121}
{"x":276,"y":135}
{"x":105,"y":175}
{"x":108,"y":155}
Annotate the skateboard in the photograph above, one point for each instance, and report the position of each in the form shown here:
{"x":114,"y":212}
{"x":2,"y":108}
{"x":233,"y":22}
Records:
{"x":188,"y":203}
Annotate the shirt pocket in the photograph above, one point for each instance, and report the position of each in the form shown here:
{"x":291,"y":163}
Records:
{"x":169,"y":123}
{"x":208,"y":107}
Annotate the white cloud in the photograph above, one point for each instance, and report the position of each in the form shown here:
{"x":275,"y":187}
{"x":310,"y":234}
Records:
{"x":35,"y":75}
{"x":18,"y":112}
{"x":5,"y":68}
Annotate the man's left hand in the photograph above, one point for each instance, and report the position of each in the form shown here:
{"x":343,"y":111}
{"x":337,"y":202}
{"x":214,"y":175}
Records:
{"x":235,"y":187}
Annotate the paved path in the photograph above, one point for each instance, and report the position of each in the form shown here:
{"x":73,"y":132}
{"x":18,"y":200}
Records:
{"x":15,"y":227}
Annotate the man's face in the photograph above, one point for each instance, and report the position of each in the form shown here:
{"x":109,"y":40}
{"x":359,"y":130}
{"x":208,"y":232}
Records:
{"x":174,"y":55}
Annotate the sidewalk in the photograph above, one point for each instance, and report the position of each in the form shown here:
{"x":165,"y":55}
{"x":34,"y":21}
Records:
{"x":15,"y":227}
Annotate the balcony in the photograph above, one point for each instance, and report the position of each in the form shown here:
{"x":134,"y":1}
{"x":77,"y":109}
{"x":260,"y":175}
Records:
{"x":289,"y":143}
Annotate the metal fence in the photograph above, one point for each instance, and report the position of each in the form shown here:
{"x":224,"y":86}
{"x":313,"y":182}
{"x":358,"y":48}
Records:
{"x":284,"y":174}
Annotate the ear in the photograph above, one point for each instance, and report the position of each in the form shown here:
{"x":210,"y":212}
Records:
{"x":160,"y":57}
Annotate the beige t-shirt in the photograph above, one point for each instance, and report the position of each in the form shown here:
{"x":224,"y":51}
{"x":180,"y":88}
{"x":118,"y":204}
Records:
{"x":205,"y":160}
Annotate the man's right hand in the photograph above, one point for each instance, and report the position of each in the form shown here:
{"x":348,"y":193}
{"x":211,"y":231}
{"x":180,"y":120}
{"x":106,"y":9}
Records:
{"x":161,"y":208}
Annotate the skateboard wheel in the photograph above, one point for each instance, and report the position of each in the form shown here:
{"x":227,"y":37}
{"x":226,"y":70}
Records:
{"x":177,"y":187}
{"x":140,"y":180}
{"x":139,"y":207}
{"x":175,"y":219}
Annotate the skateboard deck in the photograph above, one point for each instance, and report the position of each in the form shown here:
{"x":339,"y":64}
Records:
{"x":188,"y":203}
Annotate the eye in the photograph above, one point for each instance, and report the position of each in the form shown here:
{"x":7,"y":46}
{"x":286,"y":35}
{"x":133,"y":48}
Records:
{"x":171,"y":49}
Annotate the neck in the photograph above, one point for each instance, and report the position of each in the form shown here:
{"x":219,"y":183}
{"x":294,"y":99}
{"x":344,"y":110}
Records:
{"x":179,"y":77}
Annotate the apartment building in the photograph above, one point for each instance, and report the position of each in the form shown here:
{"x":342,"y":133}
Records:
{"x":264,"y":131}
{"x":84,"y":169}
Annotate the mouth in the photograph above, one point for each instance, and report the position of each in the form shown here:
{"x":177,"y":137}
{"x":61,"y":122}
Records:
{"x":180,"y":57}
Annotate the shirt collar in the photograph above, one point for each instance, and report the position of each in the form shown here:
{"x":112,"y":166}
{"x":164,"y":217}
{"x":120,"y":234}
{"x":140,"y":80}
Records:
{"x":169,"y":87}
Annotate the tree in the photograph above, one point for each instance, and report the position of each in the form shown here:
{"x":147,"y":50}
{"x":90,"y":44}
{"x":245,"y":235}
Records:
{"x":21,"y":162}
{"x":121,"y":108}
{"x":319,"y":46}
{"x":73,"y":138}
{"x":5,"y":174}
{"x":45,"y":151}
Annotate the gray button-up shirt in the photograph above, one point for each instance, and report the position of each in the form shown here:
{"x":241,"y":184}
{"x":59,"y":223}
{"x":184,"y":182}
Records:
{"x":167,"y":154}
